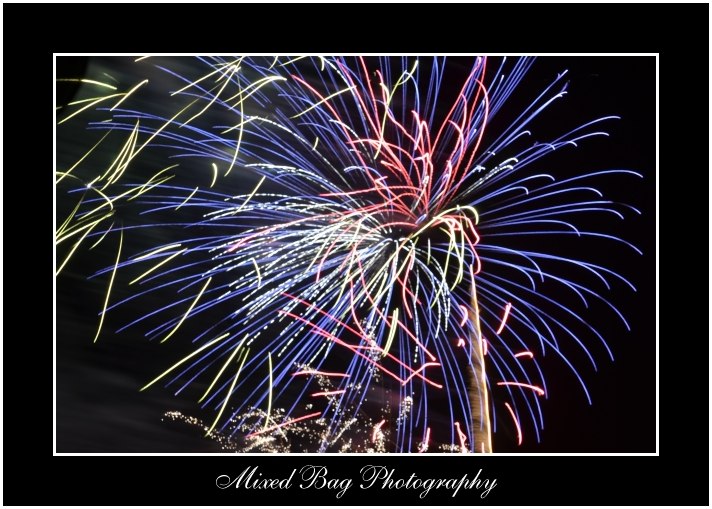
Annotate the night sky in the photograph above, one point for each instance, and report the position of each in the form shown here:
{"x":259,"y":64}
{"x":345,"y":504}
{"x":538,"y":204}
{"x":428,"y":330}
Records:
{"x":100,"y":408}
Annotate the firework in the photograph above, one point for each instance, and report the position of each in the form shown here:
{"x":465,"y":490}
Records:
{"x":373,"y":276}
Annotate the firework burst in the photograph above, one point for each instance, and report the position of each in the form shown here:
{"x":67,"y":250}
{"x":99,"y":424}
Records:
{"x":375,"y":271}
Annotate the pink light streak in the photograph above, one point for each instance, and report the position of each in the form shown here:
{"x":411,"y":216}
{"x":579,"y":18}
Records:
{"x":463,"y":437}
{"x":426,"y":440}
{"x":535,"y":388}
{"x":516,"y":423}
{"x":524,"y":354}
{"x":277,"y":426}
{"x":507,"y":308}
{"x":355,"y":348}
{"x":464,"y":315}
{"x":376,"y":429}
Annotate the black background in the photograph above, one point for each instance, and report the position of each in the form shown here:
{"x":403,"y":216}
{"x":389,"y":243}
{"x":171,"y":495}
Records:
{"x":521,"y":480}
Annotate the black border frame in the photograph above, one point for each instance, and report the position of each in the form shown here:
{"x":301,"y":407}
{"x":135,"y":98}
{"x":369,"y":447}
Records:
{"x":677,"y":32}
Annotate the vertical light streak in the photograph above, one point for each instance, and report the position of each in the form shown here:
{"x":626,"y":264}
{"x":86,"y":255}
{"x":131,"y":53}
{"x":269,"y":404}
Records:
{"x":516,"y":423}
{"x":111,"y":282}
{"x":479,"y":395}
{"x":271,"y":384}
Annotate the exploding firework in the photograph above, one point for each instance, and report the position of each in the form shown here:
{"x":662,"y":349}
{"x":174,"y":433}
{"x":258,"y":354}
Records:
{"x":373,"y":287}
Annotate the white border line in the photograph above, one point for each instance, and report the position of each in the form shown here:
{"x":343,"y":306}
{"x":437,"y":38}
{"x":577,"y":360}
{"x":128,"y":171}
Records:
{"x":392,"y":454}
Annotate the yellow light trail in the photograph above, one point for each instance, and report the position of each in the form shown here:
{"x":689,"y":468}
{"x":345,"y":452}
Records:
{"x":65,"y":173}
{"x":259,"y":276}
{"x":160,"y":129}
{"x":107,"y":201}
{"x":402,"y":80}
{"x":391,"y":332}
{"x":118,"y":159}
{"x":224,"y":367}
{"x":219,"y":69}
{"x":326,"y":99}
{"x":74,"y":248}
{"x":126,"y":96}
{"x":150,"y":184}
{"x":156,"y":251}
{"x":189,"y":310}
{"x":163,"y":262}
{"x":102,"y":237}
{"x":232,"y":70}
{"x":229,"y":393}
{"x":61,"y":228}
{"x":64,"y":236}
{"x":88,"y":82}
{"x":206,"y":345}
{"x":251,"y":195}
{"x":97,"y":101}
{"x":257,"y":85}
{"x":124,"y":158}
{"x":188,"y":198}
{"x":269,"y":397}
{"x":215,"y":174}
{"x":111,"y":282}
